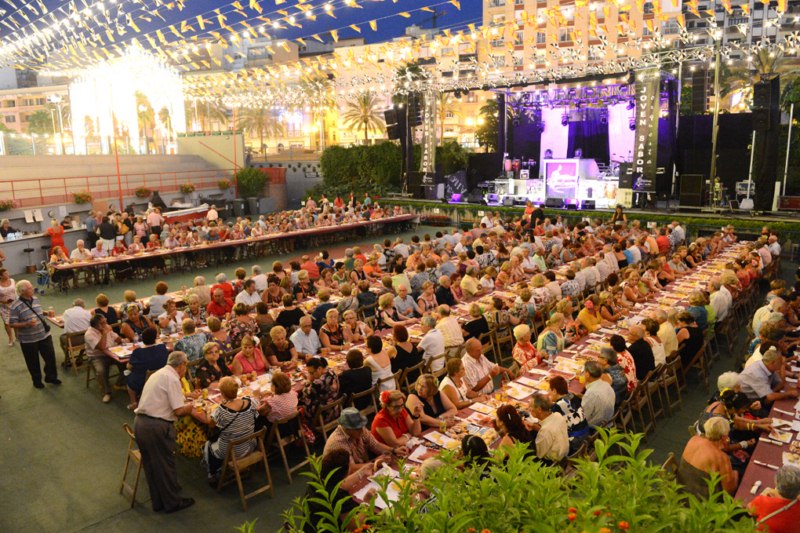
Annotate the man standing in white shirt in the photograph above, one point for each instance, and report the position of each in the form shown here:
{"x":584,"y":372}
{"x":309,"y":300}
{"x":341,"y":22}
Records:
{"x":479,"y":371}
{"x":773,"y":246}
{"x":161,"y":404}
{"x":212,"y":215}
{"x":432,"y":343}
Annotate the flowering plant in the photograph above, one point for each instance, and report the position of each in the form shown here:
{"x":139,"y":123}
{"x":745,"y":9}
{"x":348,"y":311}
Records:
{"x":82,"y":197}
{"x":7,"y":205}
{"x":143,"y":192}
{"x":187,"y":188}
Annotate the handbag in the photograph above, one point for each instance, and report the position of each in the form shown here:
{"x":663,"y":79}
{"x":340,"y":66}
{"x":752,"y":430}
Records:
{"x":45,"y":324}
{"x":214,"y":434}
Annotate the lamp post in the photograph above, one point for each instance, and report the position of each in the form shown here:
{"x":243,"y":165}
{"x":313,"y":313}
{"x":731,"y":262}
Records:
{"x":715,"y":127}
{"x":56,"y":99}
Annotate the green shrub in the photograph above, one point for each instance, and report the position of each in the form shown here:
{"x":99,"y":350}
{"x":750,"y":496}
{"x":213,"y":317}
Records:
{"x":619,"y":491}
{"x":251,"y":182}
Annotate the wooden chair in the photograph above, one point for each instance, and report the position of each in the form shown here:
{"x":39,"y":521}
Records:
{"x":367,"y":311}
{"x":76,"y":350}
{"x":134,"y":455}
{"x":642,"y":408}
{"x":284,"y":432}
{"x":504,"y":344}
{"x":370,"y":407}
{"x":670,"y":380}
{"x":698,"y":363}
{"x":654,"y":391}
{"x":670,"y":466}
{"x":623,"y":420}
{"x":233,"y":466}
{"x":487,"y":346}
{"x":727,"y":330}
{"x":417,"y":370}
{"x":434,"y":361}
{"x":397,"y":377}
{"x":320,"y":416}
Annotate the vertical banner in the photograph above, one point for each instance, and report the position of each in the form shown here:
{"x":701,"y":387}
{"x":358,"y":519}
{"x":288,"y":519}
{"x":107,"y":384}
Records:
{"x":648,"y":109}
{"x":428,"y":159}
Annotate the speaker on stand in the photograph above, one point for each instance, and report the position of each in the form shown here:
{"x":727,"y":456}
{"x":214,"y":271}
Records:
{"x":691,"y":190}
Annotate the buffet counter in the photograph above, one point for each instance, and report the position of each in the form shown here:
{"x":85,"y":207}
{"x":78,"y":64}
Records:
{"x":16,"y":257}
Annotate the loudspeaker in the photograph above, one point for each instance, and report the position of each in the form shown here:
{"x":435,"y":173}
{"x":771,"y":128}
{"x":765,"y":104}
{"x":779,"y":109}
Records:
{"x":588,"y":204}
{"x":556,"y":203}
{"x":508,"y":201}
{"x":394,"y":130}
{"x":416,"y":105}
{"x":414,"y":182}
{"x":691,"y":190}
{"x":766,"y":113}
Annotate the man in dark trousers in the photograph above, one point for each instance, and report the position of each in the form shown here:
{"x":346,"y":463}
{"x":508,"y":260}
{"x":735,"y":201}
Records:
{"x":161,"y":404}
{"x":27,"y":319}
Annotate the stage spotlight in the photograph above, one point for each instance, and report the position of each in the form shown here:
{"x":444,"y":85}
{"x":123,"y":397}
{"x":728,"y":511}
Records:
{"x":540,"y":127}
{"x":631,"y":104}
{"x":632,"y":124}
{"x":457,"y":94}
{"x":564,"y":119}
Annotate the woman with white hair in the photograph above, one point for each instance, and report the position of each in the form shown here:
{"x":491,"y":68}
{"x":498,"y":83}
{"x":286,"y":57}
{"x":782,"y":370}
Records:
{"x":524,"y":352}
{"x":779,"y":509}
{"x":703,"y":455}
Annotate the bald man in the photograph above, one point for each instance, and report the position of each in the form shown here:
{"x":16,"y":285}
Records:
{"x":641,"y":352}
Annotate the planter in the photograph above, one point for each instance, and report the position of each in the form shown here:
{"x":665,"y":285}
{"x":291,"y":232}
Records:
{"x":238,"y":207}
{"x":252,"y":206}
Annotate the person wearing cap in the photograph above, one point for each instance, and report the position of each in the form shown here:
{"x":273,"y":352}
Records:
{"x":351,"y":435}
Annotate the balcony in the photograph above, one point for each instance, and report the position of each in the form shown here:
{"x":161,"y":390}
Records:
{"x":467,"y":58}
{"x":497,"y":3}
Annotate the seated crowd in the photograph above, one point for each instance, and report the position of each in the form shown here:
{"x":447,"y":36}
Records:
{"x":567,"y":281}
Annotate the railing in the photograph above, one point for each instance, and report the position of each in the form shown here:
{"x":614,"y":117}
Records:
{"x":47,"y":191}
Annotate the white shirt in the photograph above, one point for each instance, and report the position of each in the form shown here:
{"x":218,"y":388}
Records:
{"x":431,"y":345}
{"x":451,"y":331}
{"x":249,"y":300}
{"x":401,"y":249}
{"x":598,"y":402}
{"x":580,"y":277}
{"x":774,"y":249}
{"x":162,"y":394}
{"x":261,"y":282}
{"x":175,"y":324}
{"x":680,"y":234}
{"x":720,"y":303}
{"x":76,"y":319}
{"x":669,"y":339}
{"x":80,"y":255}
{"x":555,"y":289}
{"x":552,"y":441}
{"x":603,"y":270}
{"x":307,"y":344}
{"x":476,"y":370}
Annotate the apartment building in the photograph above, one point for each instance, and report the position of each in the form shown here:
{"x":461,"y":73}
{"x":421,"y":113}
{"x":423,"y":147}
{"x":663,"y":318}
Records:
{"x":16,"y":105}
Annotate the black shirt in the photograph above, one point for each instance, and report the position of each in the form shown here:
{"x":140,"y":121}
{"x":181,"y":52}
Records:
{"x":108,"y":231}
{"x":111,"y":315}
{"x":405,"y":359}
{"x":642,"y":354}
{"x":445,"y":296}
{"x":356,"y":380}
{"x":476,"y":327}
{"x":290,"y":317}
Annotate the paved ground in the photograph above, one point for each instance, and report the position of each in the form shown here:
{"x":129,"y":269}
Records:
{"x":62,"y":451}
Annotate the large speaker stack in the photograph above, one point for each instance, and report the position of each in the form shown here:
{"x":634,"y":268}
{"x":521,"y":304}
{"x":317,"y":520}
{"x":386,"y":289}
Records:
{"x":766,"y":112}
{"x":691,"y":190}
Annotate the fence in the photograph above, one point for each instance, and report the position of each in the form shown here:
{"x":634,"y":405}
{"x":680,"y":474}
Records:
{"x":46,"y":191}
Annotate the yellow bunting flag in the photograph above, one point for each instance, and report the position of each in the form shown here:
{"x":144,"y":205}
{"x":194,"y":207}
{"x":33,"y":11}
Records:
{"x":201,"y":22}
{"x":317,"y":37}
{"x":355,"y":28}
{"x":373,"y":24}
{"x":782,"y":4}
{"x":160,"y":36}
{"x":174,"y":31}
{"x":255,"y":6}
{"x":456,"y":3}
{"x":301,"y":41}
{"x":428,"y":9}
{"x":238,"y":5}
{"x":335,"y":35}
{"x":745,"y":9}
{"x":149,"y":40}
{"x":132,"y":24}
{"x":405,"y":14}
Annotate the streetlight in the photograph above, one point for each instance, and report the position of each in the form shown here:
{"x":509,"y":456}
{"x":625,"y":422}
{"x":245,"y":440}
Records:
{"x":57,"y":99}
{"x":142,"y":111}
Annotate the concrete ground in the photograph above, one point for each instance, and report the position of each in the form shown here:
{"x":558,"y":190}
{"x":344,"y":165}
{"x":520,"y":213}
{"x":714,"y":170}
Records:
{"x":62,"y":451}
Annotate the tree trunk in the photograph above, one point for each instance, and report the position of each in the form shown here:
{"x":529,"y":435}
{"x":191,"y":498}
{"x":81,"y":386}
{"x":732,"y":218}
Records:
{"x":366,"y":133}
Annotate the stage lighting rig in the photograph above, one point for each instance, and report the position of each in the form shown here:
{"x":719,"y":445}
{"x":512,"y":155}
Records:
{"x":565,"y":119}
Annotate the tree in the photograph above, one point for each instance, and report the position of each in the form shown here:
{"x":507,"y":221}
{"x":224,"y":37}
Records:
{"x":445,"y":104}
{"x":147,"y":118}
{"x":259,"y":122}
{"x":40,"y":122}
{"x":363,"y":112}
{"x":205,"y":115}
{"x":486,"y":133}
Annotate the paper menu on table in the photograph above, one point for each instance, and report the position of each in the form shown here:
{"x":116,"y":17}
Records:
{"x":782,"y":436}
{"x":518,"y":392}
{"x":442,"y":440}
{"x":421,"y":453}
{"x":482,"y":408}
{"x":528,"y":382}
{"x":480,"y":419}
{"x":380,"y":503}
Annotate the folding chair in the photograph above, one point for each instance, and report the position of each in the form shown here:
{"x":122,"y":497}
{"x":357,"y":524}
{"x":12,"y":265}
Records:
{"x":321,"y":414}
{"x":134,"y":455}
{"x":410,"y":377}
{"x":364,"y":401}
{"x":233,"y":466}
{"x":288,"y":431}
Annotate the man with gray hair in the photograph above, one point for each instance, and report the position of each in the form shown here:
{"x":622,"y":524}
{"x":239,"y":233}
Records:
{"x":761,"y":380}
{"x":76,"y":319}
{"x":599,"y":399}
{"x":260,"y":279}
{"x":27,"y":319}
{"x":720,"y":298}
{"x":552,"y":440}
{"x":160,"y":406}
{"x":432,"y":343}
{"x":774,"y":311}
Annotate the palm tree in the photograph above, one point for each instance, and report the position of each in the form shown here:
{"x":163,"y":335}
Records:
{"x":260,"y":122}
{"x":40,"y":122}
{"x":147,"y":118}
{"x":205,"y":114}
{"x":445,"y":104}
{"x":362,"y":111}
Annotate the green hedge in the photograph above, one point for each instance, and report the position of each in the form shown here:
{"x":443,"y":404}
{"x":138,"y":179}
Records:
{"x":466,"y":215}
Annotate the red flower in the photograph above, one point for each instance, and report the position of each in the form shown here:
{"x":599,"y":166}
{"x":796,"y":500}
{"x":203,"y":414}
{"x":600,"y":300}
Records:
{"x":471,"y":530}
{"x":598,"y":512}
{"x":623,"y":525}
{"x":571,"y":517}
{"x":572,"y":510}
{"x":486,"y":530}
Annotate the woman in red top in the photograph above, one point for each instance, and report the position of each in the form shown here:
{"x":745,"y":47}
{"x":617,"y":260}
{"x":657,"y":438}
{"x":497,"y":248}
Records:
{"x":778,"y":510}
{"x":56,"y":233}
{"x":249,"y":359}
{"x":393,"y":425}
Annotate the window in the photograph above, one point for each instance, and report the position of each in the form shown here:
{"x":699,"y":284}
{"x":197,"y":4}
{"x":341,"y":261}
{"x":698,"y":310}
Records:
{"x":472,"y":97}
{"x":10,"y":119}
{"x":519,"y":2}
{"x":518,"y":38}
{"x":498,"y":43}
{"x":40,"y":101}
{"x":541,"y":37}
{"x":449,"y":114}
{"x":670,"y":27}
{"x":498,"y":20}
{"x":497,"y":3}
{"x":498,"y":61}
{"x":9,"y":103}
{"x":563,"y":35}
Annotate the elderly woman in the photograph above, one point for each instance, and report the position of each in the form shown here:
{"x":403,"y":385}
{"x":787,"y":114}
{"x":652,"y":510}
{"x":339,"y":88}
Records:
{"x":394,"y":425}
{"x":279,"y":351}
{"x":105,"y":309}
{"x":326,"y":281}
{"x":236,"y":417}
{"x":625,"y":360}
{"x":498,"y":316}
{"x":609,"y":311}
{"x":703,"y":455}
{"x":128,"y":299}
{"x":304,"y":288}
{"x":355,"y":331}
{"x":388,"y":316}
{"x":437,"y":409}
{"x":551,"y":340}
{"x":283,"y":400}
{"x":249,"y":360}
{"x":690,"y":337}
{"x":406,"y":354}
{"x":697,"y":307}
{"x":321,"y":388}
{"x":195,"y":310}
{"x":779,"y":509}
{"x":219,"y":335}
{"x":135,"y":324}
{"x":242,"y":324}
{"x":273,"y":295}
{"x":427,"y":300}
{"x":380,"y":363}
{"x":331,"y":334}
{"x":477,"y":325}
{"x":149,"y":357}
{"x":210,"y":370}
{"x":193,"y":341}
{"x":349,"y":300}
{"x":171,"y":319}
{"x":573,"y":330}
{"x":455,"y":387}
{"x":633,"y":289}
{"x":613,"y":374}
{"x":589,"y":316}
{"x":524,"y":353}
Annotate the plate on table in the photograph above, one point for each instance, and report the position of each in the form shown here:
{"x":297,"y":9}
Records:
{"x":528,"y":382}
{"x":442,"y":440}
{"x":478,"y":419}
{"x":421,"y":453}
{"x":518,"y":392}
{"x":782,"y":436}
{"x":482,"y":408}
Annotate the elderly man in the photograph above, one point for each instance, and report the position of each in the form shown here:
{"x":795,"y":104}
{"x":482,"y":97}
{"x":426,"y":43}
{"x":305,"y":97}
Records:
{"x":599,"y":398}
{"x":446,"y":268}
{"x":260,"y":279}
{"x":99,"y":339}
{"x":80,"y":253}
{"x":359,"y":443}
{"x":305,"y":340}
{"x":161,"y":404}
{"x":248,"y":296}
{"x":666,"y":331}
{"x":405,"y":304}
{"x":470,"y":286}
{"x":76,"y":319}
{"x":444,"y":295}
{"x":773,"y":246}
{"x":641,"y":351}
{"x":761,"y":380}
{"x":450,"y":328}
{"x":552,"y":441}
{"x":480,"y":372}
{"x":720,"y":299}
{"x":202,"y":291}
{"x":432,"y":343}
{"x":33,"y":333}
{"x":774,"y":311}
{"x":220,"y":306}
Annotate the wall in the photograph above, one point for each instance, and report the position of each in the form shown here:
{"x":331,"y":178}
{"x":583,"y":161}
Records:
{"x":300,"y":176}
{"x":216,"y":150}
